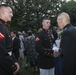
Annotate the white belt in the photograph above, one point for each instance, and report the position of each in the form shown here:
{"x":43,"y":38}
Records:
{"x":10,"y":53}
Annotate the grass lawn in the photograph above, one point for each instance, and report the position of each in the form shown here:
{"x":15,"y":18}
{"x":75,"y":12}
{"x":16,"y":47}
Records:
{"x":24,"y":71}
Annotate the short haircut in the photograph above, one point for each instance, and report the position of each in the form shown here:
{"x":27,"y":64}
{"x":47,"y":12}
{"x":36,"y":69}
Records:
{"x":4,"y":5}
{"x":14,"y":32}
{"x":29,"y":32}
{"x":46,"y":18}
{"x":64,"y":14}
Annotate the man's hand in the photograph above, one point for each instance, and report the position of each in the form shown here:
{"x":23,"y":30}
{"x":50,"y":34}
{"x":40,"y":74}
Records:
{"x":18,"y":67}
{"x":56,"y":53}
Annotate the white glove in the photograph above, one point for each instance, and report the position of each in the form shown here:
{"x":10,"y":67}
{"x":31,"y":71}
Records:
{"x":56,"y":49}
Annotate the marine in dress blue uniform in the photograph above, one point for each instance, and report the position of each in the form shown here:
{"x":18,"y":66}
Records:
{"x":8,"y":63}
{"x":44,"y":43}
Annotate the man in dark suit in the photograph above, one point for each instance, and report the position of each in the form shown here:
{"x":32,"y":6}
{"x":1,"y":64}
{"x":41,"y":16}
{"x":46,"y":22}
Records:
{"x":16,"y":44}
{"x":68,"y":44}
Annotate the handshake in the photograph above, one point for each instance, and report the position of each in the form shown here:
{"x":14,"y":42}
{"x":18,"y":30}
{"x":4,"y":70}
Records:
{"x":56,"y":52}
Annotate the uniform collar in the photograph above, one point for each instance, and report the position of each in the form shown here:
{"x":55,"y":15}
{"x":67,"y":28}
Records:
{"x":45,"y":30}
{"x":68,"y":25}
{"x":2,"y":21}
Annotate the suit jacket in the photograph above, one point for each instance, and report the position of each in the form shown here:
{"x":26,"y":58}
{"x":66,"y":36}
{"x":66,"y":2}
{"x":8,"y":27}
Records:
{"x":16,"y":46}
{"x":68,"y":46}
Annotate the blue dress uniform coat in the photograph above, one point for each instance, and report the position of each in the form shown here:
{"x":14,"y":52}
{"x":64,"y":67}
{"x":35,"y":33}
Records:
{"x":7,"y":60}
{"x":44,"y":43}
{"x":68,"y":46}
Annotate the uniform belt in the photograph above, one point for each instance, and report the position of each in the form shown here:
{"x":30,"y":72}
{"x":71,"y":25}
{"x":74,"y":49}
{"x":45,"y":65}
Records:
{"x":10,"y":53}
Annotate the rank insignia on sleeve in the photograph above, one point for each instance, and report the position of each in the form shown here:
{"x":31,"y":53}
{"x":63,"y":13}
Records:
{"x":37,"y":39}
{"x":1,"y":36}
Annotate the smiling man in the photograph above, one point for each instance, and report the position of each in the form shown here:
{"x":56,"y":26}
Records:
{"x":8,"y":63}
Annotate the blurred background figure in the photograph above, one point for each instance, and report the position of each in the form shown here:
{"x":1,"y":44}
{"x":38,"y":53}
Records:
{"x":40,"y":29}
{"x":24,"y":34}
{"x":31,"y":52}
{"x":21,"y":46}
{"x":16,"y":44}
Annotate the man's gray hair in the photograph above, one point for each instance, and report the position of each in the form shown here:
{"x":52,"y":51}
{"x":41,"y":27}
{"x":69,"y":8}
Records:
{"x":64,"y":14}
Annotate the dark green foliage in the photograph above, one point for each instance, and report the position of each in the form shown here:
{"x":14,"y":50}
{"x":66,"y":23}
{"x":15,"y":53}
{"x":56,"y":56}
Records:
{"x":29,"y":13}
{"x":70,"y":8}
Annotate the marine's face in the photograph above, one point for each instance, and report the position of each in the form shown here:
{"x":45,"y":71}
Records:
{"x":46,"y":24}
{"x":8,"y":14}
